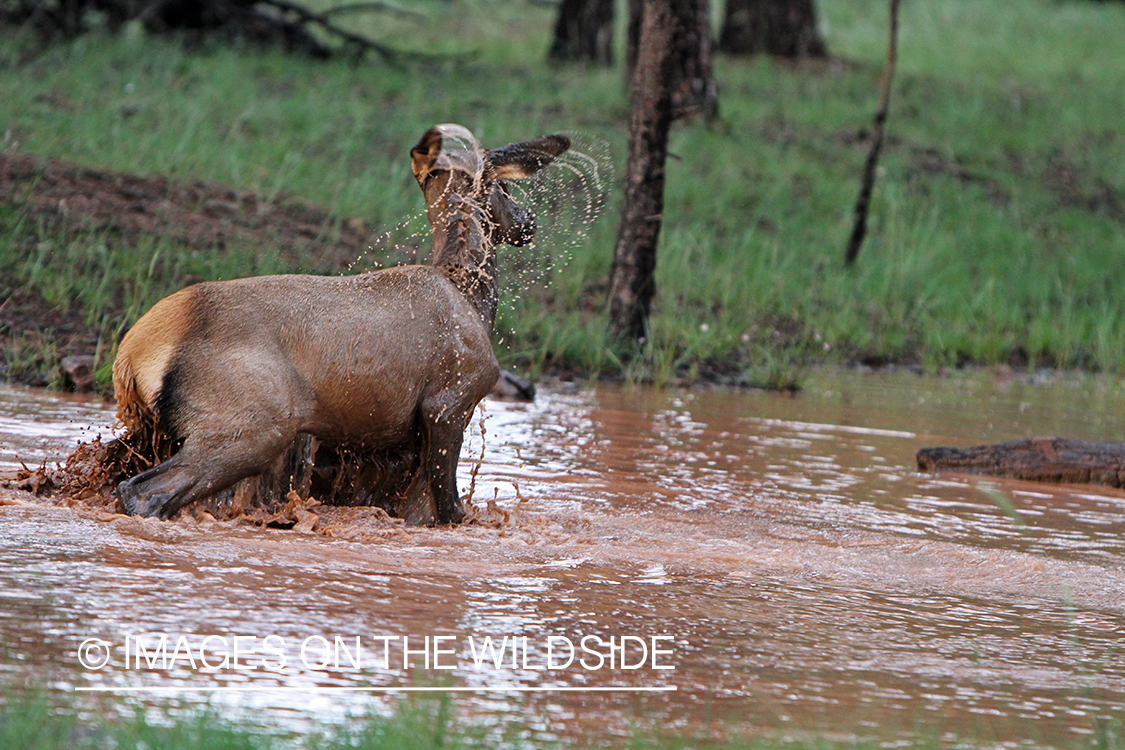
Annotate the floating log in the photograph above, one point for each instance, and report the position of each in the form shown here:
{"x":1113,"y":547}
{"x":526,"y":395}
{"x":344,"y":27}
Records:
{"x":1043,"y":459}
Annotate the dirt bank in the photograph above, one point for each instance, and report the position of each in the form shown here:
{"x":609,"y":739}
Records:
{"x":35,"y":335}
{"x":198,"y":214}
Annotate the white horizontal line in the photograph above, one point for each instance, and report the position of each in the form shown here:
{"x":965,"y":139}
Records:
{"x":820,"y":427}
{"x":409,"y":689}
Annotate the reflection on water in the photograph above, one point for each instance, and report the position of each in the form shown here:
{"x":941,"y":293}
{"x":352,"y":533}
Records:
{"x":804,"y":575}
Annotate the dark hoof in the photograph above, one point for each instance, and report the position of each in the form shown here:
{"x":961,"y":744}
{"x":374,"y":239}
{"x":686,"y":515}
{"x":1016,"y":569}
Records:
{"x":455,"y":515}
{"x":420,"y":514}
{"x":126,"y":499}
{"x":129,"y":500}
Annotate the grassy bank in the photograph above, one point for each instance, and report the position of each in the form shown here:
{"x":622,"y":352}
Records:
{"x":998,"y":224}
{"x":32,"y":724}
{"x":421,"y":724}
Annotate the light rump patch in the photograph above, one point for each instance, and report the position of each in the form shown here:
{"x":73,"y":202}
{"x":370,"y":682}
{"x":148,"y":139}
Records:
{"x":138,"y":376}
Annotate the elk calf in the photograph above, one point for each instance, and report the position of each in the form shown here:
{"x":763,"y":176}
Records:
{"x":236,"y":371}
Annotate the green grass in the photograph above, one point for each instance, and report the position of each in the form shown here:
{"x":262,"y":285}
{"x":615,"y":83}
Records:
{"x":33,"y":723}
{"x":997,"y":229}
{"x":36,"y":723}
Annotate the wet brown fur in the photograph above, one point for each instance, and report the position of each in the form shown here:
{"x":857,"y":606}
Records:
{"x":357,"y":388}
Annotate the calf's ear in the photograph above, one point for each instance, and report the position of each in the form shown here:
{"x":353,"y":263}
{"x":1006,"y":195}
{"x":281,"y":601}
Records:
{"x":446,"y":147}
{"x":519,"y":160}
{"x":425,"y":153}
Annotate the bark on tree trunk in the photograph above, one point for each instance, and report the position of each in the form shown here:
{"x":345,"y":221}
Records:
{"x":584,"y":32}
{"x":785,"y":28}
{"x":693,"y":85}
{"x":693,"y":88}
{"x":1045,"y":459}
{"x":634,"y":260}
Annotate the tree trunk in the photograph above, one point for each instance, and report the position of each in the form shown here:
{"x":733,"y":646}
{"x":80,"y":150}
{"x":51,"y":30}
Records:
{"x":584,"y":32}
{"x":693,"y":84}
{"x":632,"y":285}
{"x":693,"y":88}
{"x":1045,"y":459}
{"x":784,"y":28}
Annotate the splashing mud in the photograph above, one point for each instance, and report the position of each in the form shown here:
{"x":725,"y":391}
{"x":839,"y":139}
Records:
{"x":809,"y":579}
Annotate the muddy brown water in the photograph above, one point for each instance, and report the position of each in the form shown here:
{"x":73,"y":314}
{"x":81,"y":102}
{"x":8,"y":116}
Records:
{"x":796,"y":571}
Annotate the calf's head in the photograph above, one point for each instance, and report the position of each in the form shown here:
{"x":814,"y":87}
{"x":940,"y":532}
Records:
{"x":456,"y":175}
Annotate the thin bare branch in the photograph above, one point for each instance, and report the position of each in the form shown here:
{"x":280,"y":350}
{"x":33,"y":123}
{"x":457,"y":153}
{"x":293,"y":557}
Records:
{"x":863,"y":203}
{"x":361,"y":43}
{"x":372,"y":6}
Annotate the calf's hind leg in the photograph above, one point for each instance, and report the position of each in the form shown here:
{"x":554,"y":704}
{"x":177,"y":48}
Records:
{"x":202,"y":467}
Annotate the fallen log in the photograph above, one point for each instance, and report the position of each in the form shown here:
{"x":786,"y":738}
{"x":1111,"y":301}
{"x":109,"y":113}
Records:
{"x":1043,"y":459}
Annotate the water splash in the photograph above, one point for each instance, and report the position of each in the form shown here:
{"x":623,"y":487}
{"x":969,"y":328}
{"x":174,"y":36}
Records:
{"x":567,"y":198}
{"x":406,"y":243}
